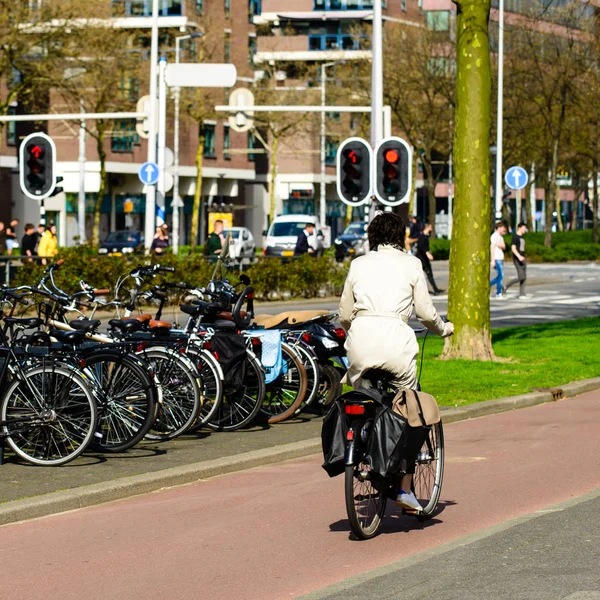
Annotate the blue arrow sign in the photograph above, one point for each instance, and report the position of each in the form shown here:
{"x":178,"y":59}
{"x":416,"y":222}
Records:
{"x":148,"y":173}
{"x":516,"y":178}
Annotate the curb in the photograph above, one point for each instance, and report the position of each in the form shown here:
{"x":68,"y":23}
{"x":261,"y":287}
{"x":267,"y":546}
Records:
{"x":119,"y":489}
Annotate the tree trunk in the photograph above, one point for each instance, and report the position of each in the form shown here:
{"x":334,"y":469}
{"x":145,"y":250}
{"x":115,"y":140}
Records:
{"x":197,"y":205}
{"x":550,"y":203}
{"x":412,"y":208}
{"x":431,"y":199}
{"x":595,"y":203}
{"x":273,"y":176}
{"x":348,"y":219}
{"x":469,"y":293}
{"x":100,"y":196}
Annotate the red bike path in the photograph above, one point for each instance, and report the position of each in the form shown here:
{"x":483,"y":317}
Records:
{"x":281,"y":531}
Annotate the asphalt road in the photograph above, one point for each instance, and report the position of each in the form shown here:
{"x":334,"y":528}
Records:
{"x":281,"y":531}
{"x":559,"y":292}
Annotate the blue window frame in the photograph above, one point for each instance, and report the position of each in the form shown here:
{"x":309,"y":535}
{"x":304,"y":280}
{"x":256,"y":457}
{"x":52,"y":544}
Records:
{"x":334,"y":41}
{"x":251,"y":146}
{"x":143,"y":8}
{"x":251,"y":49}
{"x":342,"y":4}
{"x":210,"y":148}
{"x":226,"y":142}
{"x":124,"y":136}
{"x":11,"y":128}
{"x":199,"y":7}
{"x":254,"y":9}
{"x":331,"y":147}
{"x":227,"y":7}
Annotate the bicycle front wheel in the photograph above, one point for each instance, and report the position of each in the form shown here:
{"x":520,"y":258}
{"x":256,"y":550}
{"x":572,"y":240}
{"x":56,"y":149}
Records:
{"x":429,"y":472}
{"x":365,"y":505}
{"x":53,"y":412}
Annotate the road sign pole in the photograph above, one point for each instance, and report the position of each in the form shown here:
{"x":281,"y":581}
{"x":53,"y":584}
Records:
{"x":81,"y":197}
{"x":376,"y":83}
{"x":519,"y":208}
{"x":162,"y":142}
{"x":151,"y":189}
{"x":499,"y":129}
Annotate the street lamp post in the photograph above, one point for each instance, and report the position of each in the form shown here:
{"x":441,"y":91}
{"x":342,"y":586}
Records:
{"x":176,"y":199}
{"x":323,"y":193}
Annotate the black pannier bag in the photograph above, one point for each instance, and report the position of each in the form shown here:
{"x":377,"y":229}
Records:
{"x":230,"y":349}
{"x":333,"y":439}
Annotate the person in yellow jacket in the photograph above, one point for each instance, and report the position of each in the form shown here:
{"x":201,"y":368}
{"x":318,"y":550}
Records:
{"x":48,"y":245}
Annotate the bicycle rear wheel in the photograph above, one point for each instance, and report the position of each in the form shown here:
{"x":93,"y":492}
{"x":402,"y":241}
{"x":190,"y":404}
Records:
{"x":311,"y":366}
{"x":365,"y":504}
{"x":211,"y":379}
{"x":429,"y":472}
{"x":62,"y":405}
{"x":240,"y":408}
{"x":284,"y":395}
{"x":126,"y":399}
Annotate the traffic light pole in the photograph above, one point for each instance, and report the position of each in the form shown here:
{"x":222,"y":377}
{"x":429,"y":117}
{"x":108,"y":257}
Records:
{"x":81,"y":197}
{"x":151,"y":189}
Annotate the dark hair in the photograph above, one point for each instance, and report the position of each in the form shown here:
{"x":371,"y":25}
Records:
{"x":521,"y":224}
{"x":309,"y":225}
{"x":29,"y":226}
{"x":219,"y":221}
{"x":386,"y":228}
{"x":500,"y":224}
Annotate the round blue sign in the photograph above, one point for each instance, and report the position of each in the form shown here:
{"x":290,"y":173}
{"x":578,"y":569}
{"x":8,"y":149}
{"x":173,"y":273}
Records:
{"x":516,"y":178}
{"x":148,"y":173}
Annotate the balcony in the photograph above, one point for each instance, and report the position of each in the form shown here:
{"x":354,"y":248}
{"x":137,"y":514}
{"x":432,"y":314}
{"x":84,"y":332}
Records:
{"x":313,"y":47}
{"x":313,"y":10}
{"x":342,"y":4}
{"x":143,"y":8}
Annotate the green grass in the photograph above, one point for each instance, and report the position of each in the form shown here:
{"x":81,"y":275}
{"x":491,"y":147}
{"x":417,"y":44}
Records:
{"x":545,"y":355}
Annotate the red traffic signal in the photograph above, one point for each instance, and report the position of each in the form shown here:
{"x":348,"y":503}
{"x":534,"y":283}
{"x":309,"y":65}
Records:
{"x":393,"y":171}
{"x":354,"y":171}
{"x":37,"y":166}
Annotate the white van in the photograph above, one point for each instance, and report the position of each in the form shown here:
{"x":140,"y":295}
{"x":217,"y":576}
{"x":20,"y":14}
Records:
{"x":283,"y":233}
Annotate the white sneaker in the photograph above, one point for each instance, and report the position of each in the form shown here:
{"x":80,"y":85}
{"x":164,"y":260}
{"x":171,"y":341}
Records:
{"x":408,"y":501}
{"x":499,"y":296}
{"x":525,"y":297}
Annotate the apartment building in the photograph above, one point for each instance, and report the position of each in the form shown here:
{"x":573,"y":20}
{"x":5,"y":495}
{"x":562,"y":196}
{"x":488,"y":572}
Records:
{"x":229,"y":170}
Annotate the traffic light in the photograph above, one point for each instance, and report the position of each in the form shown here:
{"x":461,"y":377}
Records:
{"x":37,"y":166}
{"x":393,"y":171}
{"x":354,"y":159}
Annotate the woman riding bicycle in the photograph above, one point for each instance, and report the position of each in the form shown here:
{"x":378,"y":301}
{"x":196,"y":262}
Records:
{"x":378,"y":298}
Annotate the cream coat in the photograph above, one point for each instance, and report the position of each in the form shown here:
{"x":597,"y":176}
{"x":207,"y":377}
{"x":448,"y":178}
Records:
{"x":381,"y":290}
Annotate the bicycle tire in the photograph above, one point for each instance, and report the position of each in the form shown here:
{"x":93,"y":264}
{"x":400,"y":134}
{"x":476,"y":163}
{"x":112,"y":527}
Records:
{"x":235,"y":412}
{"x":357,"y":488}
{"x":74,"y":417}
{"x":330,"y":384}
{"x":429,"y":473}
{"x":211,"y":379}
{"x":126,"y":399}
{"x":181,"y":393}
{"x":311,"y":366}
{"x":284,"y":396}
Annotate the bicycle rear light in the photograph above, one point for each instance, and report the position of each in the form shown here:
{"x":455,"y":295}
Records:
{"x":339,"y":333}
{"x":354,"y":409}
{"x":306,"y":337}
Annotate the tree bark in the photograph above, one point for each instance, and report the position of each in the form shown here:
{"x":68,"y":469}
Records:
{"x":197,"y":205}
{"x":273,"y":176}
{"x":100,"y":197}
{"x":469,"y":292}
{"x":595,"y":203}
{"x":559,"y":218}
{"x":550,"y":202}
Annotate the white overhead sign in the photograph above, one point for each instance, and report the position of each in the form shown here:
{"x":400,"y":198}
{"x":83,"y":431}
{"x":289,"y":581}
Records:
{"x":241,"y":121}
{"x":203,"y":75}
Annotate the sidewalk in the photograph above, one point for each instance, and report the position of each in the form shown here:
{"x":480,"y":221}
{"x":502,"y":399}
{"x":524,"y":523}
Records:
{"x":29,"y":491}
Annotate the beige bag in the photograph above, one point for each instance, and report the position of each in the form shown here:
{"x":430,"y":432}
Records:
{"x":418,"y":408}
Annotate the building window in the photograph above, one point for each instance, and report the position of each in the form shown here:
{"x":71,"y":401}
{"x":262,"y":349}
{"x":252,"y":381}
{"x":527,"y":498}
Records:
{"x":251,"y":146}
{"x":130,"y":88}
{"x":11,"y":128}
{"x":227,"y":47}
{"x":124,"y":136}
{"x":143,"y":8}
{"x":437,"y":65}
{"x":227,"y":8}
{"x":334,"y":116}
{"x":331,"y":147}
{"x":403,"y":5}
{"x":226,"y":142}
{"x":210,"y":150}
{"x":251,"y":49}
{"x":254,"y":9}
{"x":343,"y":4}
{"x":199,"y":6}
{"x":438,"y":20}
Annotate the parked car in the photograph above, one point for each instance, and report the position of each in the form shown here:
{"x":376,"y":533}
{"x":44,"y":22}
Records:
{"x":118,"y":243}
{"x":353,"y":242}
{"x":284,"y":231}
{"x":242,"y":243}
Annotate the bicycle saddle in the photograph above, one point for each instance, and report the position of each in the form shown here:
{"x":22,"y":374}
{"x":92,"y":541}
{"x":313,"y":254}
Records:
{"x":87,"y":325}
{"x":127,"y":325}
{"x":27,"y":323}
{"x":72,"y":338}
{"x":142,"y":318}
{"x":159,"y":327}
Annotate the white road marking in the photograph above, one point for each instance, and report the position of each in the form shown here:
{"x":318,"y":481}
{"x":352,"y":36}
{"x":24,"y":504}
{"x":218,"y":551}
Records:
{"x":580,"y":300}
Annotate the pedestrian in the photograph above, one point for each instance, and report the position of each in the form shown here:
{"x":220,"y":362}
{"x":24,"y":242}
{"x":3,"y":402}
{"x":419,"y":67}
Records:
{"x":2,"y":238}
{"x":497,"y":248}
{"x":160,"y":242}
{"x":11,"y":236}
{"x":29,"y":241}
{"x":424,"y":255}
{"x":415,"y":230}
{"x":48,"y":246}
{"x":302,"y":245}
{"x":214,"y":243}
{"x":517,"y":248}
